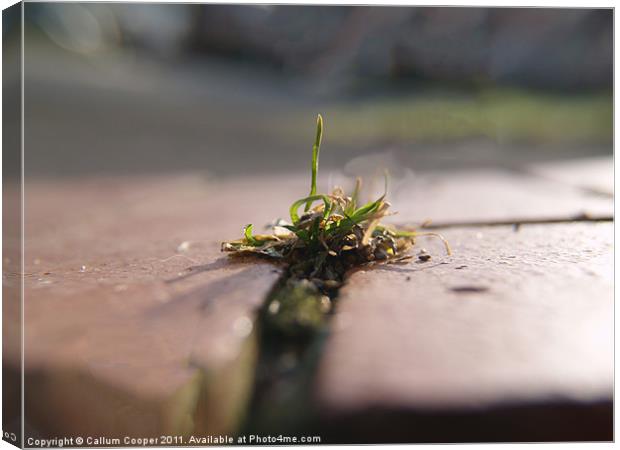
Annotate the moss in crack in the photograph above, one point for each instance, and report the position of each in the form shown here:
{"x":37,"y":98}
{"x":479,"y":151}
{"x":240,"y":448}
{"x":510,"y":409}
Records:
{"x":296,"y":309}
{"x":292,"y":327}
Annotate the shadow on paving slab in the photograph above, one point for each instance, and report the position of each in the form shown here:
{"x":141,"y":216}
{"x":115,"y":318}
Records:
{"x":546,"y":422}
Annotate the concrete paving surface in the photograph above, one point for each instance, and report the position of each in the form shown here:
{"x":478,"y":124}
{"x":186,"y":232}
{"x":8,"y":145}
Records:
{"x":137,"y":325}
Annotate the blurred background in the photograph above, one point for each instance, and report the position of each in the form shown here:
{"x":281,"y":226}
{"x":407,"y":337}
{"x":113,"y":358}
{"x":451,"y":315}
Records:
{"x":232,"y":89}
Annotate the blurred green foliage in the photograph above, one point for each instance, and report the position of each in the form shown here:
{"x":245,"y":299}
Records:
{"x":503,"y":115}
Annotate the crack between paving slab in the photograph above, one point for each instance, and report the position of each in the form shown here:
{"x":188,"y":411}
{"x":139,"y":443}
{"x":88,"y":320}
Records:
{"x":287,"y":361}
{"x":583,"y":217}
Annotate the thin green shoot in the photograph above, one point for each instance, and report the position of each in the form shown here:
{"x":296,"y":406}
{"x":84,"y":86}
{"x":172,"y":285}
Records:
{"x":247,"y":233}
{"x":316,"y":148}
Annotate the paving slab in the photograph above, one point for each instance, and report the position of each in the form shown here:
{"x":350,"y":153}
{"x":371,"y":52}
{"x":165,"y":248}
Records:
{"x":136,"y":323}
{"x":490,"y":195}
{"x":509,"y":338}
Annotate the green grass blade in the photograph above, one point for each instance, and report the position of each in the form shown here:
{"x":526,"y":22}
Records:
{"x":365,"y":210}
{"x":386,"y":177}
{"x":360,"y":214}
{"x":309,"y":200}
{"x":315,"y":230}
{"x":315,"y":157}
{"x":247,"y":233}
{"x":354,"y":198}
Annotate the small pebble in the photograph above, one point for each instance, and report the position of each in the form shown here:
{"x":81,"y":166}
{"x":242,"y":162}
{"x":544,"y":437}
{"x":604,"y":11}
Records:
{"x":331,"y":284}
{"x":183,"y":246}
{"x":83,"y":269}
{"x":274,"y":307}
{"x":326,"y":304}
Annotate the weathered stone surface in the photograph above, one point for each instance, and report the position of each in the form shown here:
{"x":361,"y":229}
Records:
{"x":509,"y":338}
{"x":136,"y":324}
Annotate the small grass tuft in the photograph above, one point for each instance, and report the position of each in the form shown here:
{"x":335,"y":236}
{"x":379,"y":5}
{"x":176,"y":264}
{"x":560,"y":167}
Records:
{"x":332,"y":235}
